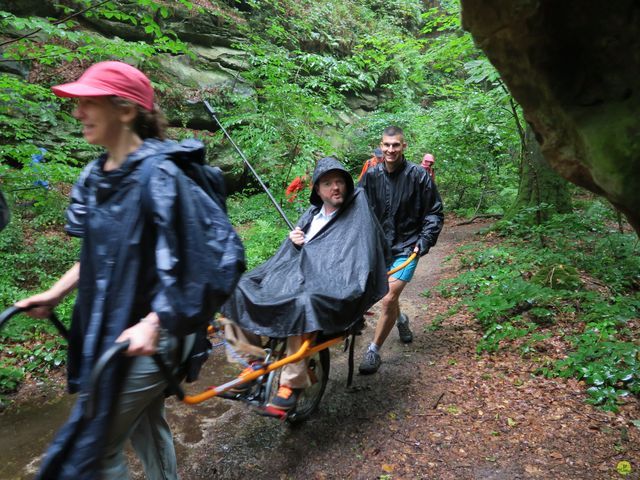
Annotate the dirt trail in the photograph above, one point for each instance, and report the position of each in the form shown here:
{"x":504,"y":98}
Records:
{"x":435,"y":410}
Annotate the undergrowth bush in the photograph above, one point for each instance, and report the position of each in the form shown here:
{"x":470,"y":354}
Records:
{"x":31,"y":261}
{"x":259,"y":226}
{"x":580,"y":284}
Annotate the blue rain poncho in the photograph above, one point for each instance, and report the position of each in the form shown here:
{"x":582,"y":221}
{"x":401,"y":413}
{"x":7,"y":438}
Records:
{"x":133,"y":260}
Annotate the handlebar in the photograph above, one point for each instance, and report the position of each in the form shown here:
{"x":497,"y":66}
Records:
{"x":106,"y":358}
{"x":96,"y":374}
{"x":404,"y":264}
{"x":53,"y":318}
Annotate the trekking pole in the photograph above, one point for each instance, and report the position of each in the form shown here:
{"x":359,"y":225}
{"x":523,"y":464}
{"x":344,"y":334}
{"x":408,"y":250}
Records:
{"x":255,"y":174}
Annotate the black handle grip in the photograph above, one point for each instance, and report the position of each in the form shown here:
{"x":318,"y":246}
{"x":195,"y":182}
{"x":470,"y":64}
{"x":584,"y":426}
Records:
{"x":96,"y":374}
{"x":53,"y":318}
{"x":8,"y":313}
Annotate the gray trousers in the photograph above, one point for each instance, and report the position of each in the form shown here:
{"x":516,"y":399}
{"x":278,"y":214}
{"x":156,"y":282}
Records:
{"x":140,"y":416}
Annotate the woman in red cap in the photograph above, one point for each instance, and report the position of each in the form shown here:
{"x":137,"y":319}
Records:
{"x":125,"y":278}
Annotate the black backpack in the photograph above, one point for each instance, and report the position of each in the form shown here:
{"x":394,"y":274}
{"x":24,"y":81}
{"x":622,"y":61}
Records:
{"x":214,"y":248}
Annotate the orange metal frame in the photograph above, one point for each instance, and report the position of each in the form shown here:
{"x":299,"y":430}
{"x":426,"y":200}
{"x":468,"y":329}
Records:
{"x":305,"y":350}
{"x":403,"y":264}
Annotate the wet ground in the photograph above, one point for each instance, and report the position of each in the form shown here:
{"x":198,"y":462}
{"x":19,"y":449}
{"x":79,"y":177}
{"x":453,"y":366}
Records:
{"x":25,"y":432}
{"x":435,"y":410}
{"x":240,"y":444}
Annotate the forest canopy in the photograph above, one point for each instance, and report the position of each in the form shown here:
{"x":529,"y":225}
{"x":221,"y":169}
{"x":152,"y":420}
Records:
{"x":294,"y":81}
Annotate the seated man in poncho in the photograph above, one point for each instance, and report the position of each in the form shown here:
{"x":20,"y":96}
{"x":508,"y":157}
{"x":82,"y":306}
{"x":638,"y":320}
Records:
{"x":324,"y":277}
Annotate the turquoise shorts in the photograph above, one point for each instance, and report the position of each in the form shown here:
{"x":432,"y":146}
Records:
{"x":406,"y":274}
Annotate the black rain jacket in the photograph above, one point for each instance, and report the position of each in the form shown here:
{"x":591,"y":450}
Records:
{"x":128,"y":267}
{"x":327,"y":284}
{"x":407,"y":204}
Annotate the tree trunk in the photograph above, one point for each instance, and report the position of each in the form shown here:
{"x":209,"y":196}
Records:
{"x":539,"y":184}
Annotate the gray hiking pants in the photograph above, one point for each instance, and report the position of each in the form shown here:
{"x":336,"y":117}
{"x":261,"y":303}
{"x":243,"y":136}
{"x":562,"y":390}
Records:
{"x":140,"y":416}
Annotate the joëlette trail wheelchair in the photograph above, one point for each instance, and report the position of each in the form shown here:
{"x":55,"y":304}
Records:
{"x":263,"y":378}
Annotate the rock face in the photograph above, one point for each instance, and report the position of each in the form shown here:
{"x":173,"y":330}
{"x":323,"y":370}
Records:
{"x":574,"y":66}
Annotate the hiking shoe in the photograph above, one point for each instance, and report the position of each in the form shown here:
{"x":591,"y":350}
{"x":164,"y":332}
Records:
{"x":286,"y":398}
{"x":370,"y":363}
{"x":244,"y":387}
{"x":406,"y":335}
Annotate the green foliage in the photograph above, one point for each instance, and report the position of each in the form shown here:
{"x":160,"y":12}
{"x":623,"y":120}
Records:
{"x":36,"y":361}
{"x":261,"y":241}
{"x":259,"y":226}
{"x":597,"y":247}
{"x":46,"y":250}
{"x":28,"y":110}
{"x":499,"y":332}
{"x":303,"y":79}
{"x":558,"y":277}
{"x":524,"y":294}
{"x":31,"y":262}
{"x":47,"y":355}
{"x":67,"y":42}
{"x":10,"y":377}
{"x":609,"y":366}
{"x":35,"y":167}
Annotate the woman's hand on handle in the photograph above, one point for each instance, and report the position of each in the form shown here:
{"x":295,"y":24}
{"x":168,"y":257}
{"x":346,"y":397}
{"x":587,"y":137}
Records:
{"x":43,"y":303}
{"x":40,"y":305}
{"x":143,"y":336}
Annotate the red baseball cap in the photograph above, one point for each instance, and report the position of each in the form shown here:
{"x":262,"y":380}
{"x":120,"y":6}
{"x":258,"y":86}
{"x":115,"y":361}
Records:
{"x":110,"y":78}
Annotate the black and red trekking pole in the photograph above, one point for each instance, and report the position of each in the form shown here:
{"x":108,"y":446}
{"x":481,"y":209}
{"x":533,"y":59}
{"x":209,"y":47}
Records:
{"x":255,"y":174}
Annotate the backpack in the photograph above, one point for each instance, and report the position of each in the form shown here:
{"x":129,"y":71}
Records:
{"x":212,"y":257}
{"x":211,"y":253}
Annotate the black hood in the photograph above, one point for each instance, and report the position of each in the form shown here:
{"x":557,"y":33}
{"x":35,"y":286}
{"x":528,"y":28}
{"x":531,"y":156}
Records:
{"x":325,"y":165}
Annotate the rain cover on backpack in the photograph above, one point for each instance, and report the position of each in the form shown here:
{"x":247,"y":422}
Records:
{"x":204,"y":272}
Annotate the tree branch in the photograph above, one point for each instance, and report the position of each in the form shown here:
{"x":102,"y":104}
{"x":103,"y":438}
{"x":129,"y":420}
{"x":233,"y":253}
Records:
{"x":469,"y":222}
{"x":26,"y":35}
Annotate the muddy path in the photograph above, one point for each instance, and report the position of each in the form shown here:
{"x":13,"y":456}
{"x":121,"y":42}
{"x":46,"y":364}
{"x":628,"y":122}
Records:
{"x":435,"y":410}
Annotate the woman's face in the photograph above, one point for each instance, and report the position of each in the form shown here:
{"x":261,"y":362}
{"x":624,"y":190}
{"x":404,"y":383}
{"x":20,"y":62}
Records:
{"x":102,"y":120}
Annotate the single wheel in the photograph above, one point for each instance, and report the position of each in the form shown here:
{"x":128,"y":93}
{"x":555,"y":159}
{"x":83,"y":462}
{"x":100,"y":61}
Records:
{"x":309,"y":399}
{"x":270,"y":387}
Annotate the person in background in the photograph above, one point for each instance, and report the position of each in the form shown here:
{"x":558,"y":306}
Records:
{"x":427,"y":164}
{"x":372,"y":162}
{"x":408,"y":206}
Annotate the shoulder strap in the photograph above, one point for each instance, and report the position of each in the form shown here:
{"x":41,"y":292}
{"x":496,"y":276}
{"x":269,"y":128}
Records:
{"x":146,"y":169}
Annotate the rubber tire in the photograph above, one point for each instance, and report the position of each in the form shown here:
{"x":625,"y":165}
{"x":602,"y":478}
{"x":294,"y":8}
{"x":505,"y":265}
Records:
{"x":309,"y":399}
